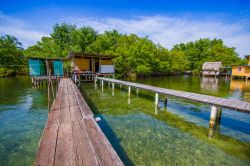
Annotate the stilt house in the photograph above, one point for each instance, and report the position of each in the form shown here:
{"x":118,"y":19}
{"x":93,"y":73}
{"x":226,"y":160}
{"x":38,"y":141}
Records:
{"x":211,"y":68}
{"x":85,"y":66}
{"x":41,"y":66}
{"x":242,"y":71}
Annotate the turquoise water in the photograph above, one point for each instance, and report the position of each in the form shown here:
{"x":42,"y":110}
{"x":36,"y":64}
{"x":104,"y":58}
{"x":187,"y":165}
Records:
{"x":178,"y":134}
{"x":23,"y":113}
{"x":141,"y":134}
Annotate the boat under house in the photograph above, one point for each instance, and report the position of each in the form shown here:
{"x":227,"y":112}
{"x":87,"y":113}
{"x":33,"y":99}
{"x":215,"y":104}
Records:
{"x":86,"y":66}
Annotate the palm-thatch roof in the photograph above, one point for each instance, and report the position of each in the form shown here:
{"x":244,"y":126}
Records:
{"x":215,"y":66}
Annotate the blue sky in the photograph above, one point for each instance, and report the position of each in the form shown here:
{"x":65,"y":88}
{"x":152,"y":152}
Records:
{"x":165,"y":22}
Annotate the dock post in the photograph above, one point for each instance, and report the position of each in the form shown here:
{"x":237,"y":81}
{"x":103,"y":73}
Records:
{"x":113,"y":89}
{"x":156,"y":99}
{"x":137,"y":91}
{"x":95,"y":84}
{"x":213,"y":116}
{"x":165,"y":103}
{"x":75,"y":78}
{"x":102,"y":85}
{"x":129,"y":91}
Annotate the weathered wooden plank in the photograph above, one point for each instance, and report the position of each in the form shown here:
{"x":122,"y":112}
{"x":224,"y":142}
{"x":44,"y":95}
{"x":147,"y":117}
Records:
{"x":47,"y":147}
{"x":65,"y":101}
{"x":65,"y":154}
{"x":53,"y":118}
{"x":242,"y":105}
{"x":85,"y":110}
{"x":57,"y":102}
{"x":104,"y":151}
{"x":72,"y":99}
{"x":65,"y":87}
{"x":234,"y":103}
{"x":75,"y":113}
{"x":247,"y":108}
{"x":64,"y":116}
{"x":66,"y":140}
{"x":84,"y":151}
{"x":70,"y":88}
{"x":228,"y":103}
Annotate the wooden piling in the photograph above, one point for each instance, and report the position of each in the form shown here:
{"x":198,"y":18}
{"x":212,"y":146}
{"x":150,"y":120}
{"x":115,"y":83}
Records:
{"x":213,"y":115}
{"x":129,"y":91}
{"x":156,"y":99}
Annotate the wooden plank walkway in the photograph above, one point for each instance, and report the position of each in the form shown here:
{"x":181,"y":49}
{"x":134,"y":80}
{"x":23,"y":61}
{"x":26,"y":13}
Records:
{"x":233,"y":104}
{"x":71,"y":135}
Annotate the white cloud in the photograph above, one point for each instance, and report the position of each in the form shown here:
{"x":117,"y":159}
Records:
{"x":171,"y":30}
{"x":19,"y":29}
{"x":165,"y":30}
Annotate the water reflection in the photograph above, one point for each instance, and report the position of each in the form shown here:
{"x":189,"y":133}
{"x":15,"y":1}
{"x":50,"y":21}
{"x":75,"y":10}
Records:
{"x":230,"y":134}
{"x":209,"y":84}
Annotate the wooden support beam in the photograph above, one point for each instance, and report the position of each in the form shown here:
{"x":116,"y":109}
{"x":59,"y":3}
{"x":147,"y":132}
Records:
{"x":113,"y":89}
{"x":129,"y":91}
{"x":213,"y":115}
{"x":156,"y":99}
{"x":165,"y":103}
{"x":102,"y":84}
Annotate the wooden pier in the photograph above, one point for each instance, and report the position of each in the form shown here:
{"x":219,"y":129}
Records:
{"x":71,"y":135}
{"x":216,"y":102}
{"x":219,"y":102}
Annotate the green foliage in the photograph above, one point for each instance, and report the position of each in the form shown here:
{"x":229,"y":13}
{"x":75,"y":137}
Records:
{"x":134,"y":55}
{"x":206,"y":50}
{"x":82,"y":38}
{"x":11,"y":57}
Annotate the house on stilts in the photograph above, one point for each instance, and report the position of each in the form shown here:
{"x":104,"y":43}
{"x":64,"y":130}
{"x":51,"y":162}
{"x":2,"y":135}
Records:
{"x":215,"y":69}
{"x":86,"y":66}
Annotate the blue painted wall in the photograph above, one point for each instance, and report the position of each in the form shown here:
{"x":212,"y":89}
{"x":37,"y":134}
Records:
{"x":37,"y":67}
{"x":58,"y":68}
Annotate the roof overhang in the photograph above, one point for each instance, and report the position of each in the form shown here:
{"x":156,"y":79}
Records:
{"x":38,"y":58}
{"x":89,"y":55}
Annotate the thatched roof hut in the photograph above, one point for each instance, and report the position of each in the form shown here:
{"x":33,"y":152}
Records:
{"x":211,"y":68}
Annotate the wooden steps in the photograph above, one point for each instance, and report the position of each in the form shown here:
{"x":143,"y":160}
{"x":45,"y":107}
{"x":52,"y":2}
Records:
{"x":71,"y":135}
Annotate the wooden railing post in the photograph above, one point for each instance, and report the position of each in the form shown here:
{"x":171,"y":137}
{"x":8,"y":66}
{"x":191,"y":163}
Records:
{"x":129,"y":91}
{"x":156,"y":99}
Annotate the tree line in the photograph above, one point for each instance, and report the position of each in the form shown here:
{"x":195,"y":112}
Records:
{"x":134,"y":55}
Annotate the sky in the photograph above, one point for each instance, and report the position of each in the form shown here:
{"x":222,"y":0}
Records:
{"x":167,"y":22}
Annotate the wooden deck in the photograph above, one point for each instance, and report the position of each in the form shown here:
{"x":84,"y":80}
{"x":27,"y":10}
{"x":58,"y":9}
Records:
{"x":71,"y":135}
{"x":233,"y":104}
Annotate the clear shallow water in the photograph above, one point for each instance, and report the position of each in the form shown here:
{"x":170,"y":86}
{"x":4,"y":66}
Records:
{"x":178,"y":134}
{"x":23,"y":113}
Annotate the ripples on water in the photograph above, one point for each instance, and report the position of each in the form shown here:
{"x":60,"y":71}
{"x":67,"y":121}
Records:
{"x":23,"y":113}
{"x":178,"y":134}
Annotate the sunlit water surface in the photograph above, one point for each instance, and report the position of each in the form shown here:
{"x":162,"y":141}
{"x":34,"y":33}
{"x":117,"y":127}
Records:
{"x":23,"y":113}
{"x":178,"y":134}
{"x":141,"y":134}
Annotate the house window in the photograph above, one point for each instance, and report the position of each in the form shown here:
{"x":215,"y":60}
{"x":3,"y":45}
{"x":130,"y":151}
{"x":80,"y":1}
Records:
{"x":239,"y":68}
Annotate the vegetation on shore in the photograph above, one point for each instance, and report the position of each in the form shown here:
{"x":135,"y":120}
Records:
{"x":12,"y":61}
{"x":134,"y":55}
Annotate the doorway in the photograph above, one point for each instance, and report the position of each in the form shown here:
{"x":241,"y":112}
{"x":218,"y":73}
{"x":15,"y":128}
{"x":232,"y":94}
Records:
{"x":97,"y":66}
